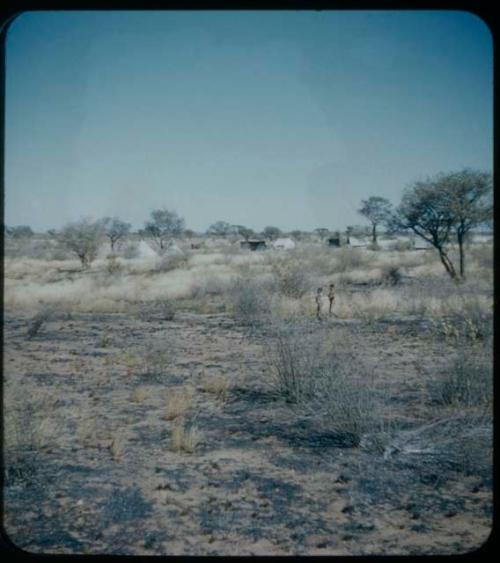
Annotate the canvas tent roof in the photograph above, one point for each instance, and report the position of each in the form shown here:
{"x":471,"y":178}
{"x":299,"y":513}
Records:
{"x":286,"y":243}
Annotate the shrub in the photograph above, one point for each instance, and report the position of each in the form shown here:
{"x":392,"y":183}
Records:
{"x":467,"y":382}
{"x":347,"y":259}
{"x":391,"y":275}
{"x":38,"y":321}
{"x":169,"y":262}
{"x":161,"y":308}
{"x":291,"y":279}
{"x":113,"y":265}
{"x":250,"y":300}
{"x":293,"y":359}
{"x":26,"y":431}
{"x":325,"y":379}
{"x":131,"y":251}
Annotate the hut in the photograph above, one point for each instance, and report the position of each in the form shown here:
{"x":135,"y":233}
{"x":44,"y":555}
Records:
{"x":253,"y":244}
{"x":334,"y":241}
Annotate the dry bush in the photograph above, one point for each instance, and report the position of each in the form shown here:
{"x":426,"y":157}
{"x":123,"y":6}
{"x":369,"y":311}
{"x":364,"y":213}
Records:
{"x":467,"y":382}
{"x":209,"y":285}
{"x":391,"y":275}
{"x":185,"y":439}
{"x":27,"y":430}
{"x":113,"y":264}
{"x":293,"y":359}
{"x":160,"y":308}
{"x":170,"y":262}
{"x":179,"y":402}
{"x":39,"y":320}
{"x":291,"y":279}
{"x":347,"y":259}
{"x":250,"y":300}
{"x":217,"y":385}
{"x":401,"y":246}
{"x":324,"y":377}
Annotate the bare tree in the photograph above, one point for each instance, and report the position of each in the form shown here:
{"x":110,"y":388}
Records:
{"x":82,"y":238}
{"x":163,"y":226}
{"x":377,"y":210}
{"x":115,"y":229}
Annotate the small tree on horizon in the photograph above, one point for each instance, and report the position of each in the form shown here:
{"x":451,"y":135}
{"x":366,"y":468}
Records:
{"x":377,"y":210}
{"x":19,"y":232}
{"x":83,"y":238}
{"x":163,"y":226}
{"x":271,"y":233}
{"x":220,"y":229}
{"x":243,"y":231}
{"x":322,"y":232}
{"x":115,"y":229}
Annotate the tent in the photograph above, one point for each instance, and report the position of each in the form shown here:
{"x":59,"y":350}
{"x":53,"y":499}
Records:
{"x":283,"y":243}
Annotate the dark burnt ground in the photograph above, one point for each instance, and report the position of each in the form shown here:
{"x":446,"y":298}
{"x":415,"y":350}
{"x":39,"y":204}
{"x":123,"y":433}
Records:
{"x":264,"y":479}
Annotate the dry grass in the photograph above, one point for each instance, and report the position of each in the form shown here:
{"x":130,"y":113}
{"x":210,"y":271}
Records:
{"x":179,"y":402}
{"x":139,"y":395}
{"x":117,"y":446}
{"x":185,"y":439}
{"x":218,"y":385}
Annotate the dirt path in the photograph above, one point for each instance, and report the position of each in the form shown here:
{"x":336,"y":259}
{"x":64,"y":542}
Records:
{"x":263,"y":480}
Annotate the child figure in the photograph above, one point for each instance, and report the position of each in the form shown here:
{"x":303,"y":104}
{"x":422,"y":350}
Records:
{"x":331,"y":297}
{"x":319,"y":294}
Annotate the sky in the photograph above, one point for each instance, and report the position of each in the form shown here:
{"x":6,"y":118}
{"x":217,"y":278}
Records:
{"x":257,"y":118}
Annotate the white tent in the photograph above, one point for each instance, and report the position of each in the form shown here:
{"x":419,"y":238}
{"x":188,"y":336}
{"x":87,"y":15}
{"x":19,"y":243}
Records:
{"x":284,"y":243}
{"x":174,"y":250}
{"x":145,"y":251}
{"x":358,"y":242}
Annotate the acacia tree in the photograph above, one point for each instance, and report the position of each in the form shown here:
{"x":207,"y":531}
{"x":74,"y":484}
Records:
{"x":322,"y":232}
{"x":447,"y":206}
{"x":271,"y":232}
{"x":115,"y":229}
{"x":220,"y":229}
{"x":468,"y":194}
{"x":243,"y":231}
{"x":377,"y":210}
{"x":82,"y":238}
{"x":163,"y":226}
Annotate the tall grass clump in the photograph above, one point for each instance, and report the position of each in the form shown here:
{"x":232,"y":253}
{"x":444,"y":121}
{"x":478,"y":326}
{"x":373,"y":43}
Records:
{"x":291,"y":279}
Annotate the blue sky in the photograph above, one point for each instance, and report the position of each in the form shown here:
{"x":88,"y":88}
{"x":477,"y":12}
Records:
{"x":256,"y":118}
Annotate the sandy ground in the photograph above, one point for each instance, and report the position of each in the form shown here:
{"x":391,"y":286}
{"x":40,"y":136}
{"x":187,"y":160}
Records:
{"x":264,"y":479}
